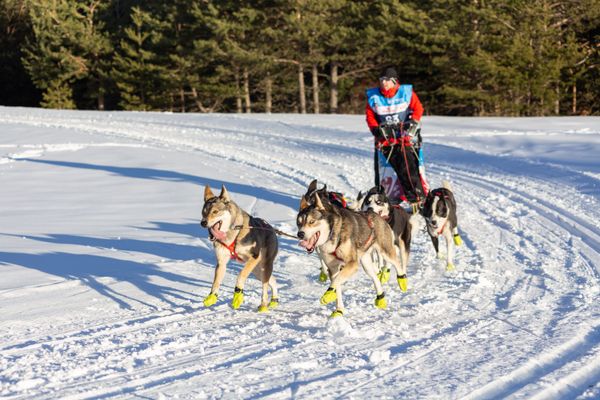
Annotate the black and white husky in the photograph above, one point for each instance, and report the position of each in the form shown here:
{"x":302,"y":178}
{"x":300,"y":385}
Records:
{"x":377,"y":201}
{"x":439,"y":211}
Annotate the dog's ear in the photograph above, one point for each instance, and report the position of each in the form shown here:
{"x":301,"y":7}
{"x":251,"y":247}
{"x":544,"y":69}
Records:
{"x":360,"y":196}
{"x":208,"y":194}
{"x":313,"y":186}
{"x":303,"y":203}
{"x":224,"y":193}
{"x":380,"y":189}
{"x":318,"y":202}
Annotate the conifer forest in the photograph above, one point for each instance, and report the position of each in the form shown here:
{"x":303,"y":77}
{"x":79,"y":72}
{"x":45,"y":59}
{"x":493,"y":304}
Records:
{"x":463,"y":57}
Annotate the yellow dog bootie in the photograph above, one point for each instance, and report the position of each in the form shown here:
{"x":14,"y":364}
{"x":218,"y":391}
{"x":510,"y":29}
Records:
{"x":238,"y":298}
{"x":329,"y":296}
{"x":210,"y":299}
{"x":403,"y":283}
{"x":380,"y":301}
{"x":384,"y":275}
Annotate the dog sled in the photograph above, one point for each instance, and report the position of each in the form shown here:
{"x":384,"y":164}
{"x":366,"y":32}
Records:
{"x":399,"y":166}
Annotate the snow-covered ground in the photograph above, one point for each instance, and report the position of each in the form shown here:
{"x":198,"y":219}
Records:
{"x":104,"y":265}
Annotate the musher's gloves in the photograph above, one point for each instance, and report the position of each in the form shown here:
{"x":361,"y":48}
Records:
{"x":413,"y":127}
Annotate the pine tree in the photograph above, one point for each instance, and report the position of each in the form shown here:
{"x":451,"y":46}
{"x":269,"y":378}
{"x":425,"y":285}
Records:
{"x":137,"y":64}
{"x":68,"y":46}
{"x":17,"y":87}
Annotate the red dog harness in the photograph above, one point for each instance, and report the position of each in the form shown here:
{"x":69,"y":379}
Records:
{"x":232,"y":252}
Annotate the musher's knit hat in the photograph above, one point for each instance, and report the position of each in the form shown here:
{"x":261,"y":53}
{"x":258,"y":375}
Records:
{"x":390,"y":73}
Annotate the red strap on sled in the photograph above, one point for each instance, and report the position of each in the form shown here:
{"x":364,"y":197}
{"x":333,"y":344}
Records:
{"x":394,"y":141}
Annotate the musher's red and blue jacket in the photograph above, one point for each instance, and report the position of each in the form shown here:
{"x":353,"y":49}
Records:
{"x":394,"y":105}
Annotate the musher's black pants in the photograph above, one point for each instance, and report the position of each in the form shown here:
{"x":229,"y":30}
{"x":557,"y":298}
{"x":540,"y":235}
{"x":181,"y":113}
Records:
{"x":405,"y":162}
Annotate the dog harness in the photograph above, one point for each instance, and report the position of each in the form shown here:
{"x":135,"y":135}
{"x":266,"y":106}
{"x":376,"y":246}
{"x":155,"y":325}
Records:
{"x":232,"y":252}
{"x":442,"y":228}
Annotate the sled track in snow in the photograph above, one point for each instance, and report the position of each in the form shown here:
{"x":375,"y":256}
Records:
{"x":172,"y":347}
{"x":562,"y":219}
{"x":192,"y":138}
{"x":579,"y":359}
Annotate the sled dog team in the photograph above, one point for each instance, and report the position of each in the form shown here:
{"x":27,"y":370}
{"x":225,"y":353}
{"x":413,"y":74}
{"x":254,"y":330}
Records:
{"x":373,"y":234}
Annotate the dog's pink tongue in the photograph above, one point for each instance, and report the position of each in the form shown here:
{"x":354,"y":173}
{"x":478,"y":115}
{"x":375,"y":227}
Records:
{"x":218,"y":234}
{"x":304,"y":243}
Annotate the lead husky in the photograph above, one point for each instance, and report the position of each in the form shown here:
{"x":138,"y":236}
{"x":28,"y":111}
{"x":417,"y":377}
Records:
{"x":439,"y":211}
{"x":344,"y":239}
{"x":237,"y":235}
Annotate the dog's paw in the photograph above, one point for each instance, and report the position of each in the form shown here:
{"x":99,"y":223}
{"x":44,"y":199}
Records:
{"x":238,"y":298}
{"x":274,"y":302}
{"x":337,"y":313}
{"x":440,"y":256}
{"x":457,"y":240}
{"x":450,"y":267}
{"x":210,"y":300}
{"x":384,"y":275}
{"x":329,"y":296}
{"x":263,"y":309}
{"x":323,"y":277}
{"x":403,"y":283}
{"x":381,"y":302}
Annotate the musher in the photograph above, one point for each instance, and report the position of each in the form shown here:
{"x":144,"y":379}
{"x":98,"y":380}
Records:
{"x":394,"y":117}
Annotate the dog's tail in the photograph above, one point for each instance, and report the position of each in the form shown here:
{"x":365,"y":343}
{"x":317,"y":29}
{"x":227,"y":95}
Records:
{"x":446,"y":184}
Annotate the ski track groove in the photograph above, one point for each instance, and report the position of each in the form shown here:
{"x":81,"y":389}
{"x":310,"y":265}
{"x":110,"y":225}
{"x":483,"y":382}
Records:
{"x":538,"y":367}
{"x":228,"y":151}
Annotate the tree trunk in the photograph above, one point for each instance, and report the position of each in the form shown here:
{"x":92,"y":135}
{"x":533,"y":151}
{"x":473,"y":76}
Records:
{"x":557,"y":101}
{"x":315,"y":88}
{"x":247,"y":100}
{"x":101,"y":98}
{"x":574,"y":103}
{"x":268,"y":93}
{"x":182,"y":99}
{"x":333,"y":101}
{"x":238,"y":96}
{"x":199,"y":104}
{"x":301,"y":89}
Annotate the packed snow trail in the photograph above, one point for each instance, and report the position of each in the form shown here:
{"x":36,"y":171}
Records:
{"x":105,"y":265}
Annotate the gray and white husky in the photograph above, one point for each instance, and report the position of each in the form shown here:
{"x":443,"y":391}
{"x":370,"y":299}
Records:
{"x":237,"y":235}
{"x":439,"y":211}
{"x":327,"y":197}
{"x":346,"y":239}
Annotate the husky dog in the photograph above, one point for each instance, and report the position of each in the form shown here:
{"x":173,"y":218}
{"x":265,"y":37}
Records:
{"x":439,"y":211}
{"x":334,"y":198}
{"x":344,"y":239}
{"x":377,"y":201}
{"x":237,"y":235}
